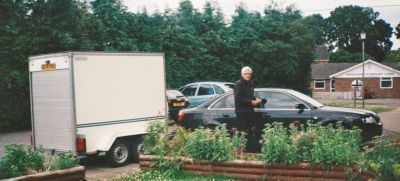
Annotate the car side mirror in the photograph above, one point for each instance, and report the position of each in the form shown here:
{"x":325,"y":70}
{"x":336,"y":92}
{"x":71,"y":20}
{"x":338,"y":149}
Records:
{"x":300,"y":106}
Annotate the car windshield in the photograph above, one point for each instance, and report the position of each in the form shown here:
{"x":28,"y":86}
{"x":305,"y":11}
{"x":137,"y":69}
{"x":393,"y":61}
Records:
{"x":306,"y":98}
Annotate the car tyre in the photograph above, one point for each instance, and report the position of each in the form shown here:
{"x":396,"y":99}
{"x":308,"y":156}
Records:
{"x":119,"y":153}
{"x":137,"y":149}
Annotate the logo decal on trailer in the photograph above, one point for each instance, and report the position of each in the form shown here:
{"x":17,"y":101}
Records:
{"x":48,"y":66}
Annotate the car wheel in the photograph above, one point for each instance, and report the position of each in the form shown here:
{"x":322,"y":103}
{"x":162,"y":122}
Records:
{"x":119,"y":153}
{"x":137,"y":149}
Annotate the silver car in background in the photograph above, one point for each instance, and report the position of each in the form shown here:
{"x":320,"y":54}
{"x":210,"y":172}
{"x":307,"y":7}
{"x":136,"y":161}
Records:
{"x":200,"y":92}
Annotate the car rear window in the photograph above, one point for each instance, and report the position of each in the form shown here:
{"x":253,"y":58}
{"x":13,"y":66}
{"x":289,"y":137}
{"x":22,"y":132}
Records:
{"x":218,"y":89}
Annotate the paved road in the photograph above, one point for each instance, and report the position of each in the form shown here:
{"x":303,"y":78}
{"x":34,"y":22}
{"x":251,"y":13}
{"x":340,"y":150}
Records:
{"x":389,"y":102}
{"x":391,"y":120}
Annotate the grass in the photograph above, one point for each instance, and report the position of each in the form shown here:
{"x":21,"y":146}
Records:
{"x":372,"y":107}
{"x":154,"y":175}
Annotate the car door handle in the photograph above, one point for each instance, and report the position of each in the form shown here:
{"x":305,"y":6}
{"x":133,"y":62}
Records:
{"x":225,"y":115}
{"x":266,"y":115}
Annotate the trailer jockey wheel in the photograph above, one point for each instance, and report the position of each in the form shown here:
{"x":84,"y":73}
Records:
{"x":119,"y":153}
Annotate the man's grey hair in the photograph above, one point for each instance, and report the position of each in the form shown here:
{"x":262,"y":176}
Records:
{"x":246,"y":68}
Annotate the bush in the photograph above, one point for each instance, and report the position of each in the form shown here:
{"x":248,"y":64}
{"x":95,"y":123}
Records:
{"x":201,"y":144}
{"x":207,"y":144}
{"x":317,"y":144}
{"x":19,"y":161}
{"x":63,"y":162}
{"x":383,"y":159}
{"x":155,"y":140}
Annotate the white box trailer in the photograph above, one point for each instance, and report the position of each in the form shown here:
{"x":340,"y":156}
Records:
{"x":94,"y":102}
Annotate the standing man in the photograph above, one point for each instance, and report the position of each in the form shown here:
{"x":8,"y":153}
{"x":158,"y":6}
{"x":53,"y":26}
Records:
{"x":245,"y":101}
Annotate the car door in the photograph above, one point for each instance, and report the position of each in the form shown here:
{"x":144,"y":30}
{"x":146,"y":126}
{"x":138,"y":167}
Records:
{"x":223,"y":111}
{"x":281,"y":107}
{"x":190,"y":92}
{"x":205,"y":92}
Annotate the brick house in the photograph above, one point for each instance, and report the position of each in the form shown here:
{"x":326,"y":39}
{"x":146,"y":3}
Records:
{"x":333,"y":80}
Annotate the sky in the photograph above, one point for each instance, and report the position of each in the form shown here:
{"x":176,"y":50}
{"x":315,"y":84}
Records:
{"x":389,"y":9}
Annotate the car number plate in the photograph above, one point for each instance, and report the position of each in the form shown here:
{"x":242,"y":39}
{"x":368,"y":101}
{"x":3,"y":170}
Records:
{"x":178,"y":104}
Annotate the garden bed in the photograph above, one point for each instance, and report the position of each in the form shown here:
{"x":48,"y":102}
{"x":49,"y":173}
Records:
{"x":258,"y":170}
{"x":312,"y":152}
{"x":76,"y":173}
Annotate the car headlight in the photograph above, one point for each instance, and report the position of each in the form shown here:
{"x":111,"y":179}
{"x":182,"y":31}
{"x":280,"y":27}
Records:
{"x":369,"y":119}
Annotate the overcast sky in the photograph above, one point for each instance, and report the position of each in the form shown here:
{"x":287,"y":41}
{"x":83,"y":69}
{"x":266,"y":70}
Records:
{"x":389,"y":9}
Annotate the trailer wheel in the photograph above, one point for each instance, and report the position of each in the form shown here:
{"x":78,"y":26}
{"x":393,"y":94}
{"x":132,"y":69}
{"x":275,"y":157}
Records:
{"x":137,"y":149}
{"x":119,"y":153}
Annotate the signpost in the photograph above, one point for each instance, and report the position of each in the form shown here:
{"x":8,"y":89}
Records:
{"x":356,"y":85}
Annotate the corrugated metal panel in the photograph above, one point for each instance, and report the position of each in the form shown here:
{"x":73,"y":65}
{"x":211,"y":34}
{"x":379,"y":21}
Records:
{"x":53,"y":111}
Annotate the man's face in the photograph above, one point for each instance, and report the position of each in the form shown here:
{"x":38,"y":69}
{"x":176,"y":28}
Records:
{"x":246,"y":75}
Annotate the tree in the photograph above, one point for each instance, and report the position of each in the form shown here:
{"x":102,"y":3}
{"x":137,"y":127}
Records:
{"x":271,"y":45}
{"x":317,"y":24}
{"x":398,"y":31}
{"x":343,"y":56}
{"x":14,"y":41}
{"x":347,"y":22}
{"x":114,"y":19}
{"x":393,"y":56}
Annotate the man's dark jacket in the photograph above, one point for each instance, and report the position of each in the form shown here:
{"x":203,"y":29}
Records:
{"x":244,"y":93}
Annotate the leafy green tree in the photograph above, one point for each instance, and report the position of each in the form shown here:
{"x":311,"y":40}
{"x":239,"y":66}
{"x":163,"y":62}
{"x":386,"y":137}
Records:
{"x":398,"y":31}
{"x":347,"y":22}
{"x":317,"y":24}
{"x":114,"y":18}
{"x":14,"y":90}
{"x":393,"y":56}
{"x":270,"y":44}
{"x":343,"y":56}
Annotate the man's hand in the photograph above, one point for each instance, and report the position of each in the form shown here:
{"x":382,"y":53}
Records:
{"x":256,"y":102}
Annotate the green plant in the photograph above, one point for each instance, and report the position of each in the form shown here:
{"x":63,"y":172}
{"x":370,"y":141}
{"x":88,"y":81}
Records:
{"x":154,"y":141}
{"x":59,"y":162}
{"x":334,"y":145}
{"x":312,"y":144}
{"x":157,"y":142}
{"x":178,"y":142}
{"x":153,"y":175}
{"x":238,"y":145}
{"x":207,"y":144}
{"x":277,"y":147}
{"x":20,"y":160}
{"x":383,"y":158}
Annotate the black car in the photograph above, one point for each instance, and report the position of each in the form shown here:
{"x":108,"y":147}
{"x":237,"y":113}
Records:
{"x":176,"y":101}
{"x":283,"y":105}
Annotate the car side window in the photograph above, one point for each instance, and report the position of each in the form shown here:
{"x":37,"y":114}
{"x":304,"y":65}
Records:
{"x":205,"y":89}
{"x":190,"y":90}
{"x":218,"y":89}
{"x":226,"y":102}
{"x":277,"y":100}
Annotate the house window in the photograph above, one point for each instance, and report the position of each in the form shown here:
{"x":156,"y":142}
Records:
{"x":319,"y":84}
{"x":386,"y":82}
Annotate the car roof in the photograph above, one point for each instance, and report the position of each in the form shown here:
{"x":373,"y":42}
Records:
{"x":207,"y":82}
{"x":272,"y":89}
{"x":211,"y":82}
